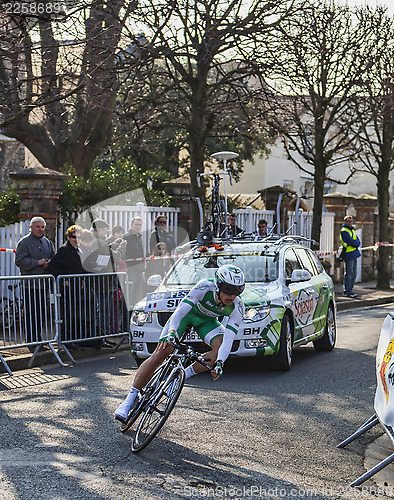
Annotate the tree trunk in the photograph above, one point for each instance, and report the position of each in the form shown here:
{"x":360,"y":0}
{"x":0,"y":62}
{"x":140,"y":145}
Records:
{"x":384,"y":273}
{"x":319,"y":179}
{"x":383,"y":281}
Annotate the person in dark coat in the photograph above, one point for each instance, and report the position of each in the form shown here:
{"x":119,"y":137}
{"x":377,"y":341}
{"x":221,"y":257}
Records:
{"x":160,"y":234}
{"x":135,"y":268}
{"x":67,"y":260}
{"x":233,"y":229}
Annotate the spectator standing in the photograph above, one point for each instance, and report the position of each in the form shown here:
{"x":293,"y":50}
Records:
{"x":116,"y":233}
{"x":233,"y":229}
{"x":135,"y":269}
{"x":32,"y":256}
{"x":160,"y":234}
{"x":159,"y":265}
{"x":261,"y":231}
{"x":350,"y":242}
{"x":67,"y":260}
{"x":103,"y":258}
{"x":85,"y":243}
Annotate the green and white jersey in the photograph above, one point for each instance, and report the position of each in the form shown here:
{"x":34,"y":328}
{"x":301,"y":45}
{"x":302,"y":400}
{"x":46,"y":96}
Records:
{"x":200,"y":310}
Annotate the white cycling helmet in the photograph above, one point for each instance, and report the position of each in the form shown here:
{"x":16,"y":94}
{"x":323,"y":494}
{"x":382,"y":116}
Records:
{"x":230,"y":280}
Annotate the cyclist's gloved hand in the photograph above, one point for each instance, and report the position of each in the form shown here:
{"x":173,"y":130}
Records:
{"x":217,"y":370}
{"x":169,"y":338}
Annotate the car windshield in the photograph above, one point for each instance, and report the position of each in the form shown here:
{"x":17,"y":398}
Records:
{"x":190,"y":269}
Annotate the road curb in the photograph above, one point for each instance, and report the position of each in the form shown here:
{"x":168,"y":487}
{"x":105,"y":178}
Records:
{"x":352,"y":304}
{"x":21,"y":362}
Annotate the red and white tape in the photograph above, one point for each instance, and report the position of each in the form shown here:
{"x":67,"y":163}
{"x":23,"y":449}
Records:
{"x":317,"y":252}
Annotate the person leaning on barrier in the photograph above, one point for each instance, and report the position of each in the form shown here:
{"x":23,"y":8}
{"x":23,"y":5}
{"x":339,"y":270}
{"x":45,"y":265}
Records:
{"x":103,"y":258}
{"x":32,"y":256}
{"x":67,"y":260}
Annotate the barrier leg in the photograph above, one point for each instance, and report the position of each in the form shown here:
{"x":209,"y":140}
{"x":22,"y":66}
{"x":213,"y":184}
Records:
{"x":120,"y":343}
{"x":371,"y":422}
{"x":63,"y":346}
{"x":5,"y":364}
{"x":37,"y":349}
{"x":381,"y":465}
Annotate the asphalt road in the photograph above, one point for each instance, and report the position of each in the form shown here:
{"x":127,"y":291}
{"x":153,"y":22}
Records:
{"x":253,"y":434}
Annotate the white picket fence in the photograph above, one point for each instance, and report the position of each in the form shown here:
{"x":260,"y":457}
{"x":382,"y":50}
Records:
{"x":303,"y":227}
{"x":9,"y":237}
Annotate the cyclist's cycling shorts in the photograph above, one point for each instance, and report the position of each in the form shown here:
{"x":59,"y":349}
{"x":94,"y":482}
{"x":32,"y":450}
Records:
{"x":207,"y":329}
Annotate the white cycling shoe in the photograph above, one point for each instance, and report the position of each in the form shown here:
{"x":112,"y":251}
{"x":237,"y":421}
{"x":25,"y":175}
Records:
{"x":123,"y":410}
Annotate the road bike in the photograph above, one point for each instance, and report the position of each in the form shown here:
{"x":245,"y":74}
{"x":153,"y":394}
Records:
{"x":215,"y":223}
{"x":158,"y":398}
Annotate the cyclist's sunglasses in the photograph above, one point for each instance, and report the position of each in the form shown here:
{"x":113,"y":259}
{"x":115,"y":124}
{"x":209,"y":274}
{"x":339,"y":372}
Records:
{"x":231,"y":289}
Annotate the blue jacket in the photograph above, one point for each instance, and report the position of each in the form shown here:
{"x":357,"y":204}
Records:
{"x":351,"y":242}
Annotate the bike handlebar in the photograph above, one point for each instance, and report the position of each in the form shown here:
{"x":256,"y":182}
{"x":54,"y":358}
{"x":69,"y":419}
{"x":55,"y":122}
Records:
{"x":191,"y":353}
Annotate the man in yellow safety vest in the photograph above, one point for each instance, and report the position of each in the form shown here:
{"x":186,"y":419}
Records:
{"x":350,"y":242}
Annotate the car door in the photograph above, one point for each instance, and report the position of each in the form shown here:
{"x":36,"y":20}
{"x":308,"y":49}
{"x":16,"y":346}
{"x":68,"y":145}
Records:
{"x":291,"y":263}
{"x":311,"y":298}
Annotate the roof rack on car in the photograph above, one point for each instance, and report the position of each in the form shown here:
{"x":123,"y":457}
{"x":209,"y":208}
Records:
{"x":294,"y":237}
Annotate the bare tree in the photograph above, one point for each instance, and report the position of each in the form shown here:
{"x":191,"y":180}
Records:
{"x":374,"y":136}
{"x":204,"y":54}
{"x":59,"y":77}
{"x":317,"y":59}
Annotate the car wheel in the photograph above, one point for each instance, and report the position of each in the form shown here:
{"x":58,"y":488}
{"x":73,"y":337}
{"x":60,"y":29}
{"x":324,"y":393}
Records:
{"x":282,"y":360}
{"x":327,"y":341}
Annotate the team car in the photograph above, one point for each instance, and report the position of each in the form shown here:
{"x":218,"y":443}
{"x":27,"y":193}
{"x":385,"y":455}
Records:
{"x":289,"y":298}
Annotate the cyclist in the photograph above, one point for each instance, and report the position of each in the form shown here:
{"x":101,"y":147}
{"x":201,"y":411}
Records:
{"x":204,"y":304}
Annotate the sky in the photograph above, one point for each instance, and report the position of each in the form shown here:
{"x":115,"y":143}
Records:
{"x":373,"y":3}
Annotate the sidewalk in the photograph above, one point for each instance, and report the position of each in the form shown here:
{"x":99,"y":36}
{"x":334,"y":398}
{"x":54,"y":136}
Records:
{"x":367,"y":295}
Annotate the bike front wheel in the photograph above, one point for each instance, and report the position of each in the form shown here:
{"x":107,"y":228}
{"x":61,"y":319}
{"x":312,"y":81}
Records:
{"x":157,"y":410}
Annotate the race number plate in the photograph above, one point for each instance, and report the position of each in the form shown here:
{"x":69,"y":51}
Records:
{"x":191,"y":337}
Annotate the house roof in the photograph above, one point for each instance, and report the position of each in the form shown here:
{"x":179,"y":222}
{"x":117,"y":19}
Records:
{"x":248,"y":200}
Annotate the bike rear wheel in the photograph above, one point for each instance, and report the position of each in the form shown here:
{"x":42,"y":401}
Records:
{"x":144,"y":396}
{"x":157,"y":410}
{"x":8,"y":313}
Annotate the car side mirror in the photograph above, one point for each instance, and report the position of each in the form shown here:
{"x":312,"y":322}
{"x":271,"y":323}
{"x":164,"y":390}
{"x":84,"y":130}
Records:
{"x":154,"y":280}
{"x":299,"y":275}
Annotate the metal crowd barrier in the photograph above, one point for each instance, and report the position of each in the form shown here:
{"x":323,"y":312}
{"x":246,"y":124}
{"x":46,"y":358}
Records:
{"x":28,"y":312}
{"x":73,"y":309}
{"x":92,"y":307}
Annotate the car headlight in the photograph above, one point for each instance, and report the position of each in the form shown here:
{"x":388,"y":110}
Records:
{"x":139,"y":318}
{"x":256,"y":314}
